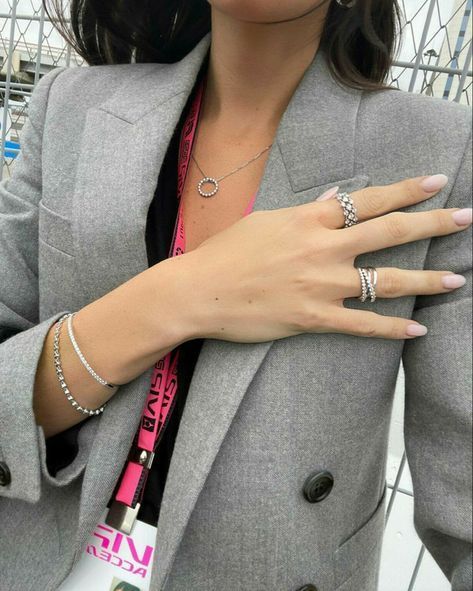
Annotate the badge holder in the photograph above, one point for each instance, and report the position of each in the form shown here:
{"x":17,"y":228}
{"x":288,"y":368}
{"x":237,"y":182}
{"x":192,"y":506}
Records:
{"x":121,"y":516}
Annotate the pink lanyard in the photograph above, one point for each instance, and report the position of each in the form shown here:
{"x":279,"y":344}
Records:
{"x":159,"y":402}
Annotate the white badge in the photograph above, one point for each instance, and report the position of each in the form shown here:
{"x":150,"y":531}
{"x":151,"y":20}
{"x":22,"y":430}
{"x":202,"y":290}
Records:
{"x":112,"y":557}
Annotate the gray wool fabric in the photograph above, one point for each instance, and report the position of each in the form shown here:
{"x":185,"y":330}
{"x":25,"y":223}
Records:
{"x":260,"y":418}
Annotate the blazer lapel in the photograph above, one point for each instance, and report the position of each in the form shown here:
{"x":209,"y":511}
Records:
{"x":312,"y":149}
{"x":123,"y":147}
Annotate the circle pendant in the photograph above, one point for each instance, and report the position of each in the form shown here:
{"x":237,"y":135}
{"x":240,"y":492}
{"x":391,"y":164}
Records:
{"x":210,"y":181}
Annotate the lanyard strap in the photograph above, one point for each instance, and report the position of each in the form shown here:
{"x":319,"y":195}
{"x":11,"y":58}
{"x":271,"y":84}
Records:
{"x":161,"y":395}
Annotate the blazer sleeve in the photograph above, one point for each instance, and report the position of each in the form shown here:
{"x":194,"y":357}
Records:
{"x":23,"y":448}
{"x":438,"y":397}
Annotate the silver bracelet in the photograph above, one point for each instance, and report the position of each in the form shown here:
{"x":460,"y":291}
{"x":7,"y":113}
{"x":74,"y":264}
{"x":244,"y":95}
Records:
{"x":81,"y":356}
{"x":58,"y":367}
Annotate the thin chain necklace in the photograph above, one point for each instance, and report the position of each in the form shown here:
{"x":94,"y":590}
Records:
{"x":213,"y":181}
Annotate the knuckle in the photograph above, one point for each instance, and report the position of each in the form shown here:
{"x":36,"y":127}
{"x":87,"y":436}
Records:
{"x":396,"y":225}
{"x":373,"y":201}
{"x":301,"y":283}
{"x":318,"y":247}
{"x":433,"y":281}
{"x":369,"y":328}
{"x":305,"y":319}
{"x":305,"y":214}
{"x":411,"y":190}
{"x":370,"y":331}
{"x":442,"y":221}
{"x":391,"y":284}
{"x":304,"y":255}
{"x":391,"y":328}
{"x":398,"y":330}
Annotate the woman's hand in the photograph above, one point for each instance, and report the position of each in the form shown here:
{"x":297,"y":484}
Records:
{"x":278,"y":273}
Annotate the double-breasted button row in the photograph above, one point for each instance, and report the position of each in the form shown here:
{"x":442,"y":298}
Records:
{"x":5,"y":476}
{"x":318,"y":486}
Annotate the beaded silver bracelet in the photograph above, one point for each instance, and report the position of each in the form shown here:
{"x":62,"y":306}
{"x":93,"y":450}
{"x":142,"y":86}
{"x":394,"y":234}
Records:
{"x":81,"y":356}
{"x":60,"y":375}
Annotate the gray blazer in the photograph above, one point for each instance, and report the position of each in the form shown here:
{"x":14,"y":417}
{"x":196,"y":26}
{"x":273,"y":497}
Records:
{"x":263,"y":422}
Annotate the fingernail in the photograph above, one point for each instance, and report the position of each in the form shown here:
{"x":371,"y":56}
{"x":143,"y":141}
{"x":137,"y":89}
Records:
{"x":416,"y":330}
{"x":453,"y":281}
{"x":434,"y":182}
{"x":328,"y":194}
{"x":462,"y":217}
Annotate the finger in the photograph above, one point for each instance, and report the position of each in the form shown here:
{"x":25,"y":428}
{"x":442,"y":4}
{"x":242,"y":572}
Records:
{"x":374,"y":201}
{"x":394,"y":282}
{"x":369,"y":324}
{"x":401,"y":227}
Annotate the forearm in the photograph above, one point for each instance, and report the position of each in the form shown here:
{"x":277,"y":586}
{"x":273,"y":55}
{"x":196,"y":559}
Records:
{"x":121,"y":334}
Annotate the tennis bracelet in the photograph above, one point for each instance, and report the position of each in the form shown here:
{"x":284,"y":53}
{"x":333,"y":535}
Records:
{"x":59,"y":371}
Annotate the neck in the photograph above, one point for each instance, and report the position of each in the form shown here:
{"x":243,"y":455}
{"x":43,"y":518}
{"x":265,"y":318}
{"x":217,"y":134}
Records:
{"x":254,"y":68}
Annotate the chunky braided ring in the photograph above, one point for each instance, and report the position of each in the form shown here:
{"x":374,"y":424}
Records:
{"x":349,"y":209}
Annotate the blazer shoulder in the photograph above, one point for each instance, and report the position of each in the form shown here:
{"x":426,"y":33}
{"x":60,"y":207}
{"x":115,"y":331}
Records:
{"x":416,"y":112}
{"x":80,"y":87}
{"x":417,"y":131}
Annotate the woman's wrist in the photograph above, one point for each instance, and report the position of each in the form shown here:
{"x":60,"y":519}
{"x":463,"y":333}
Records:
{"x":127,"y":330}
{"x":178,"y":299}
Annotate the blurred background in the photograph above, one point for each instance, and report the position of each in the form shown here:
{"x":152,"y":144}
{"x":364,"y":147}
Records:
{"x":434,"y":58}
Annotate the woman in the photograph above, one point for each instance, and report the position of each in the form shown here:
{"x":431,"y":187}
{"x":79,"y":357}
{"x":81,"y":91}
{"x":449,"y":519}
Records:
{"x":124,"y":586}
{"x":248,"y":111}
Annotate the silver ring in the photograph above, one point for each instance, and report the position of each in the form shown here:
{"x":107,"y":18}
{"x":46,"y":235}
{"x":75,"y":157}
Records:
{"x":375,"y":275}
{"x":349,"y":209}
{"x":369,"y":279}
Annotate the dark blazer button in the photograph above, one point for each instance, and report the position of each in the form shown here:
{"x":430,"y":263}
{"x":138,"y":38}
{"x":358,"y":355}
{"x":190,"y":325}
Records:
{"x":308,"y":588}
{"x":318,"y":486}
{"x":5,"y":476}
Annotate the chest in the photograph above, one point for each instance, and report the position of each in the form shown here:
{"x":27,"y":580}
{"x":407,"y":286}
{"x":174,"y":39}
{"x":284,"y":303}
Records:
{"x":205,"y":216}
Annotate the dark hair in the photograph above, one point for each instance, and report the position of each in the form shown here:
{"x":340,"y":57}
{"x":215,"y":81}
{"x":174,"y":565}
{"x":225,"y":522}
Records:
{"x":124,"y":586}
{"x":360,"y":42}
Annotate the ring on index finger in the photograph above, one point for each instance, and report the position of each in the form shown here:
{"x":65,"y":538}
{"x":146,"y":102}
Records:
{"x":349,"y":209}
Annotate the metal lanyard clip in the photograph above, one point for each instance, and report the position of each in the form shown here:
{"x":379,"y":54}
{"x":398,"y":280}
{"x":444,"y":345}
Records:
{"x":122,"y":517}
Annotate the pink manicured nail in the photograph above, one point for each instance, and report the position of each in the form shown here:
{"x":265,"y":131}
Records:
{"x":434,"y":182}
{"x":453,"y":281}
{"x":328,"y":194}
{"x":416,"y":330}
{"x":462,"y":217}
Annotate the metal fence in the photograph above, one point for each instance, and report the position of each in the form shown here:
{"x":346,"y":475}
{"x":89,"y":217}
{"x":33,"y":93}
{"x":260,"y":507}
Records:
{"x":434,"y":58}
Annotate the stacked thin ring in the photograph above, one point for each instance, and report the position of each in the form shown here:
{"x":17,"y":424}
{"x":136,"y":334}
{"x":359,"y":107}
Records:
{"x":369,"y":278}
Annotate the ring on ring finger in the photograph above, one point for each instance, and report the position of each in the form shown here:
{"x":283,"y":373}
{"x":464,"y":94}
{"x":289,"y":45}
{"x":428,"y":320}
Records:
{"x":368,"y":280}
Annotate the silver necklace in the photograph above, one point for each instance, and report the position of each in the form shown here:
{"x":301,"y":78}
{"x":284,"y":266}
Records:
{"x":213,"y":181}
